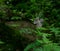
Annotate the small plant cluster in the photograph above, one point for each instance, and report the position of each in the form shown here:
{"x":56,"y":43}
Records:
{"x":29,"y":25}
{"x":44,"y":42}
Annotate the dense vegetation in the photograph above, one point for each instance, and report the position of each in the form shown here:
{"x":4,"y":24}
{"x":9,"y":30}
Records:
{"x":18,"y":31}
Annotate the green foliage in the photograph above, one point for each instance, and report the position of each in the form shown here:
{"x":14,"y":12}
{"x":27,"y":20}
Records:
{"x":28,"y":30}
{"x":1,"y":42}
{"x":37,"y":46}
{"x":48,"y":36}
{"x":43,"y":44}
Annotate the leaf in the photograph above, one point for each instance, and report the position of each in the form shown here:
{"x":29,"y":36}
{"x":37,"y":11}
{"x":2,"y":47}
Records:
{"x":55,"y":30}
{"x":1,"y":42}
